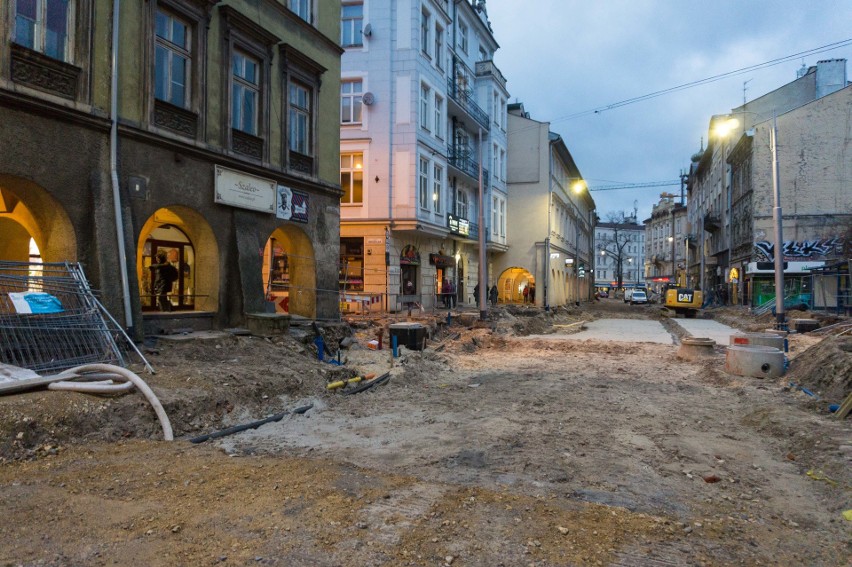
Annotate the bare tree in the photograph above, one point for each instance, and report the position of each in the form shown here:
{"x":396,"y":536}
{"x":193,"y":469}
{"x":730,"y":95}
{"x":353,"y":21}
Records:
{"x":613,"y":246}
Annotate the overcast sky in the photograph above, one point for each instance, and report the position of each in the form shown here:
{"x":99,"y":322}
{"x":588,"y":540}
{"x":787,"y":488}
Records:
{"x":564,"y":57}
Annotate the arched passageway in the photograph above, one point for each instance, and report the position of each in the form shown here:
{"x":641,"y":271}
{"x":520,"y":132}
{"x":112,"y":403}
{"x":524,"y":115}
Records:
{"x":187,"y":241}
{"x":511,"y":286}
{"x":34,"y":226}
{"x":289,"y":272}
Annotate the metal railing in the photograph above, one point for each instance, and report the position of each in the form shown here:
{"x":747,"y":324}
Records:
{"x":462,"y":159}
{"x":464,"y":97}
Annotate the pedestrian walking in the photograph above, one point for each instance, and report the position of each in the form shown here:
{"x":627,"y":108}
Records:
{"x":526,"y":293}
{"x":492,"y":295}
{"x":476,"y":294}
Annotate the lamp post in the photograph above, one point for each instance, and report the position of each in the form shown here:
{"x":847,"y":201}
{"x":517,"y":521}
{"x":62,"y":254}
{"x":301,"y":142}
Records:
{"x":777,"y":219}
{"x":671,"y":241}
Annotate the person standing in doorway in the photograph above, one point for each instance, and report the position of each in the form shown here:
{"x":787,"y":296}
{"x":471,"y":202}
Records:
{"x":409,"y":291}
{"x":526,"y":293}
{"x":164,"y":276}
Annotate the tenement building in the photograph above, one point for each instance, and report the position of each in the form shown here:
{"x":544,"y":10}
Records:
{"x":422,"y":152}
{"x":206,"y":131}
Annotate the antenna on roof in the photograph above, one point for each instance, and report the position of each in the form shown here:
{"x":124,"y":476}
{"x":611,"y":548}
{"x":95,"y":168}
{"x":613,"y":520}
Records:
{"x":745,"y":89}
{"x":803,"y":70}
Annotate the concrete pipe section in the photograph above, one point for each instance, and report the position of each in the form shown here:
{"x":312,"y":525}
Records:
{"x":755,"y":361}
{"x":773,"y":340}
{"x":696,"y":348}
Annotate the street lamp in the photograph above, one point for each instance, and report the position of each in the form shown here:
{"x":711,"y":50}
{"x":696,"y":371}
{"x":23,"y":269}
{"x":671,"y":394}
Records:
{"x":725,"y":128}
{"x":671,"y":241}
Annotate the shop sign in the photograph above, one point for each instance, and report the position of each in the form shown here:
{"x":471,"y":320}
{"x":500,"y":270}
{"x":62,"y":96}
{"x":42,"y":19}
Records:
{"x":440,"y":261}
{"x":458,"y":225}
{"x":734,"y":275}
{"x":292,"y":205}
{"x":409,"y":256}
{"x":245,"y":191}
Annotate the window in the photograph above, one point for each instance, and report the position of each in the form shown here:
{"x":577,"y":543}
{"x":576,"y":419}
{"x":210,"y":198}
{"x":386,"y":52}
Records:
{"x":352,"y":24}
{"x":425,"y":24}
{"x":423,"y":176}
{"x":245,"y":93}
{"x":425,"y":94}
{"x":483,"y":55}
{"x":351,"y":264}
{"x":463,"y":37}
{"x":494,"y":217}
{"x":461,"y":203}
{"x":503,"y":164}
{"x":171,"y":60}
{"x":495,"y":169}
{"x":352,"y":178}
{"x":439,"y":117}
{"x":302,"y":8}
{"x":502,"y":217}
{"x":350,"y":101}
{"x":44,"y":26}
{"x":300,"y":119}
{"x":439,"y":47}
{"x":437,"y":187}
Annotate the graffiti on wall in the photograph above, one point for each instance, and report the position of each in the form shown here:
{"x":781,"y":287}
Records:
{"x":810,"y":249}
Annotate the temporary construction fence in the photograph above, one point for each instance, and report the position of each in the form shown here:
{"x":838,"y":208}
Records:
{"x":51,"y":320}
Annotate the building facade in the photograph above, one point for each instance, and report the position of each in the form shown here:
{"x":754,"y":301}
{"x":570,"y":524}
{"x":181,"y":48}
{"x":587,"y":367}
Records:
{"x":665,"y":243}
{"x":213,"y":139}
{"x":620,"y":253}
{"x":731,"y":194}
{"x":422,"y":121}
{"x":552,"y":222}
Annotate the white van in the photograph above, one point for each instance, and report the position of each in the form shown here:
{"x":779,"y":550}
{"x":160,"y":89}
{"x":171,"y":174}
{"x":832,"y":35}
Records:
{"x":638,"y":296}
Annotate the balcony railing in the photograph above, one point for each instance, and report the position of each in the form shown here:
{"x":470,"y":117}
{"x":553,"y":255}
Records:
{"x":462,"y":159}
{"x":464,"y":97}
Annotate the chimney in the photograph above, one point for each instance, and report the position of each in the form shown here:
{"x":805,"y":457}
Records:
{"x":830,"y":76}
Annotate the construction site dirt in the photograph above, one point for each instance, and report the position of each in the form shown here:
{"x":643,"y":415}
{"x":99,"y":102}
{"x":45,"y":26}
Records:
{"x":498,"y":444}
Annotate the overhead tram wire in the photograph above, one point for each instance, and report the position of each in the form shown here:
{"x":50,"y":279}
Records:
{"x":707,"y":80}
{"x":649,"y":184}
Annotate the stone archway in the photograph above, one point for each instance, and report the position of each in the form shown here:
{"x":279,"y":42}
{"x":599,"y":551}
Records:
{"x":191,"y":247}
{"x":28,"y":211}
{"x":290,"y":272}
{"x":511,"y":284}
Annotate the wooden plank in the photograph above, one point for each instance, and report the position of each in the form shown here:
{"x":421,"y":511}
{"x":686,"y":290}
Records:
{"x":845,"y":408}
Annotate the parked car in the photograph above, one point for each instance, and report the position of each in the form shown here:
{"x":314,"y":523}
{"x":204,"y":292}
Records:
{"x":638,"y":296}
{"x":603,"y":293}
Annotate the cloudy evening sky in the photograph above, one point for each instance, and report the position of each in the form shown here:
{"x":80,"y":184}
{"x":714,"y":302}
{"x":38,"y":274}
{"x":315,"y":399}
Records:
{"x":564,"y":57}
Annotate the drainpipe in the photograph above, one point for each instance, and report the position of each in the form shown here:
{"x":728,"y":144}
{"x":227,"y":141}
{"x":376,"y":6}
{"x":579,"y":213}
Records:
{"x":483,"y":282}
{"x":391,"y":116}
{"x":113,"y":169}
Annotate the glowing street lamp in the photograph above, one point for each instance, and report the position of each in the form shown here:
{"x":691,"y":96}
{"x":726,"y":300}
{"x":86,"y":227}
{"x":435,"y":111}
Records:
{"x":725,"y":128}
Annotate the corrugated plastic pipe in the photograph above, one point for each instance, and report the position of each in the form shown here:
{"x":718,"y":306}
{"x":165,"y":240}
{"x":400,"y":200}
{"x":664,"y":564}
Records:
{"x":117,"y":372}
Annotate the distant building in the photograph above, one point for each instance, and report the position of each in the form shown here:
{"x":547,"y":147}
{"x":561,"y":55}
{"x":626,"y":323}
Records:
{"x":552,"y":223}
{"x":665,"y":243}
{"x":620,"y":253}
{"x":730,"y":207}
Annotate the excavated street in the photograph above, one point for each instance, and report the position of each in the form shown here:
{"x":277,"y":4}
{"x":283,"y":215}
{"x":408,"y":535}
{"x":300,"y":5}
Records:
{"x":519,"y":442}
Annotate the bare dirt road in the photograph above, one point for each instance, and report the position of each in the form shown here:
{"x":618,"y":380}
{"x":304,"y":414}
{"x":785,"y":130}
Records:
{"x":491,"y":447}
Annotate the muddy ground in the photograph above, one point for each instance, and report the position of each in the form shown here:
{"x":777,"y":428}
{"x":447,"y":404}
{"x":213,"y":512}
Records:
{"x":494,"y":446}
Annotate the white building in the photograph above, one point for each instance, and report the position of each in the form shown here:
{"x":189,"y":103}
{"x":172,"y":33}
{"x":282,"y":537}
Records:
{"x":552,"y":224}
{"x":423,"y":115}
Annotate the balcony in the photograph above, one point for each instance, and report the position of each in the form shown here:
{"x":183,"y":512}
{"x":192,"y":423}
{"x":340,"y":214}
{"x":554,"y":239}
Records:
{"x":461,"y":158}
{"x":489,"y":69}
{"x":463,"y":96}
{"x":712,"y":223}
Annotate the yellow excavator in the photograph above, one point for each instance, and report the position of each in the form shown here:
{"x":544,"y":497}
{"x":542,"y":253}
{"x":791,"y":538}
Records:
{"x":682,"y":300}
